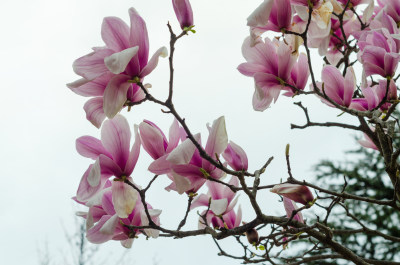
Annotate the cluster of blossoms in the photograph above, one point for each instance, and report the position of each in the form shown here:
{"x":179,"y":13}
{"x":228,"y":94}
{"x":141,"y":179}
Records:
{"x":113,"y":76}
{"x":333,"y":28}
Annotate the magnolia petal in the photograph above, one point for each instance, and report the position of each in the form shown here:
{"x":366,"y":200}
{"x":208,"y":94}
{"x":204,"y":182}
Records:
{"x":349,"y":86}
{"x":218,"y":138}
{"x":154,"y":214}
{"x":160,"y":166}
{"x":109,"y":226}
{"x":127,"y":243}
{"x":90,"y":147}
{"x":183,"y":153}
{"x":218,"y":207}
{"x":92,"y":65}
{"x":200,"y":200}
{"x":115,"y":95}
{"x":151,"y":65}
{"x":174,"y":136}
{"x":182,"y":184}
{"x":95,"y":174}
{"x":152,"y":139}
{"x":118,"y":61}
{"x":94,"y":111}
{"x":138,"y":36}
{"x":95,"y":236}
{"x":115,"y":33}
{"x":116,"y":137}
{"x":85,"y":190}
{"x":124,"y":198}
{"x":260,"y":15}
{"x":134,"y":153}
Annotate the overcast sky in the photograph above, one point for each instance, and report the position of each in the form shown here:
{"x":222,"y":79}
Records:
{"x":41,"y":118}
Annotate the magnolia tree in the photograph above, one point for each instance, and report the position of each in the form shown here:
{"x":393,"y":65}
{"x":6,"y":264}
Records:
{"x":349,"y":34}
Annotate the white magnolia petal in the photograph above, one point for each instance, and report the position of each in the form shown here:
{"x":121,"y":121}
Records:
{"x":218,"y":207}
{"x":124,"y":198}
{"x":118,"y":61}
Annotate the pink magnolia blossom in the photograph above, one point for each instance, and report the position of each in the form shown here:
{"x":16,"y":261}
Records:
{"x":295,"y":192}
{"x":221,"y":199}
{"x":113,"y":158}
{"x":271,"y":64}
{"x":184,"y":13}
{"x":189,"y":170}
{"x":111,"y":73}
{"x":378,"y":53}
{"x":103,"y":222}
{"x":338,"y":88}
{"x":374,"y":95}
{"x":274,"y":15}
{"x":235,"y":156}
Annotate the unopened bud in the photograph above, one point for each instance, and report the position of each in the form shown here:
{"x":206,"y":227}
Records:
{"x":252,"y":236}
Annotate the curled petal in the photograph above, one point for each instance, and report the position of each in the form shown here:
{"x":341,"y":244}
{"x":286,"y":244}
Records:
{"x":118,"y":61}
{"x":151,"y":65}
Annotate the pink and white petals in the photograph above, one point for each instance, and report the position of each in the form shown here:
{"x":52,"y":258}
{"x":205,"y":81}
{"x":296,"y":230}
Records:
{"x":94,"y":111}
{"x":218,"y":138}
{"x":151,"y":65}
{"x":155,"y":217}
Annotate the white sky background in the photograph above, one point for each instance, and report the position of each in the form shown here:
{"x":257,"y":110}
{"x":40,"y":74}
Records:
{"x":41,"y":118}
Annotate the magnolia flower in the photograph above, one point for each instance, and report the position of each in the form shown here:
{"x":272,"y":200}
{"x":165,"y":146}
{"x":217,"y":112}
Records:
{"x":336,"y":87}
{"x":104,"y":223}
{"x":367,"y":142}
{"x":274,"y":15}
{"x":378,"y":53}
{"x":183,"y":12}
{"x":113,"y":158}
{"x":295,"y":192}
{"x":189,"y":170}
{"x":111,"y":73}
{"x":271,"y":64}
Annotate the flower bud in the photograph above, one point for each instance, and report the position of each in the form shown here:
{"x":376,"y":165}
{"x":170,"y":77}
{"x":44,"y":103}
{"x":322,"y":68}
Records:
{"x":252,"y":236}
{"x":183,"y":12}
{"x":295,"y":192}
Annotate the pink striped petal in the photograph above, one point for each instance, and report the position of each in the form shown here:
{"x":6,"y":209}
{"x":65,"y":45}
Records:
{"x":94,"y":111}
{"x":139,"y":37}
{"x":90,"y":147}
{"x":92,"y":65}
{"x":115,"y":95}
{"x":115,"y":33}
{"x":116,"y":137}
{"x":134,"y":153}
